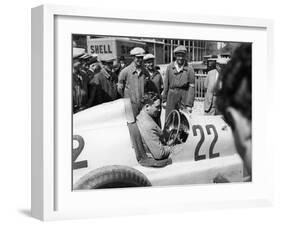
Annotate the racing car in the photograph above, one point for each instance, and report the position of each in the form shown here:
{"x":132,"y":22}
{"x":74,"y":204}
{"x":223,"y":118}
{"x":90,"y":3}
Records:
{"x":108,"y":151}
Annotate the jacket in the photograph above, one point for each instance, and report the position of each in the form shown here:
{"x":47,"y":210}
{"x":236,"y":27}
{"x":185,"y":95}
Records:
{"x":151,"y":136}
{"x":210,"y":85}
{"x":184,"y":80}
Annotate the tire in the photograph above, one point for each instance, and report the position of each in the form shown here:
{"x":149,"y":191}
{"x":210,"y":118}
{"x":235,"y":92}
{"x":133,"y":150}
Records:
{"x":112,"y":177}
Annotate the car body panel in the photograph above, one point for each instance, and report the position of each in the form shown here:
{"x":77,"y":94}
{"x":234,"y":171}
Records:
{"x":107,"y":142}
{"x":106,"y":136}
{"x":183,"y":173}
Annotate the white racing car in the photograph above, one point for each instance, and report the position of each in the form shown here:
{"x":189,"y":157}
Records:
{"x":108,"y":150}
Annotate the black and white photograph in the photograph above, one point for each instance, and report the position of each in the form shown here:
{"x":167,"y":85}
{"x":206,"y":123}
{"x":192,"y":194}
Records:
{"x":160,"y":112}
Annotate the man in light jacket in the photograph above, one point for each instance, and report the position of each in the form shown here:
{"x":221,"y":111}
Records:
{"x":152,"y":135}
{"x":210,"y":86}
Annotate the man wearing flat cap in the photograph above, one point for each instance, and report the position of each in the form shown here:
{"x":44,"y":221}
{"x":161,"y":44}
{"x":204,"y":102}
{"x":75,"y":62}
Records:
{"x":179,"y":82}
{"x":93,"y":66}
{"x":211,"y":86}
{"x":103,"y":85}
{"x":120,"y":65}
{"x":154,"y":75}
{"x":132,"y":80}
{"x":79,"y":82}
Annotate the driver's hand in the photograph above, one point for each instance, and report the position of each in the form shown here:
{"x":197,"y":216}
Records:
{"x":188,"y":110}
{"x":170,"y":142}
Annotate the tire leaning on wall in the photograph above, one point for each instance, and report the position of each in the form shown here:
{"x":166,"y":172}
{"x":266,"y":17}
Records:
{"x":115,"y":176}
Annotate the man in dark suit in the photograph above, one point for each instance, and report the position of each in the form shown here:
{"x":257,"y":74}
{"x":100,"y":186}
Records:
{"x":154,"y":75}
{"x":103,"y":85}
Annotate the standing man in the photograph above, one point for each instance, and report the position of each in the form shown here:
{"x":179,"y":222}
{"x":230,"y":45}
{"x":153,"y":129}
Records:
{"x":179,"y":91}
{"x":120,"y":65}
{"x":93,"y":66}
{"x":234,"y":100}
{"x":132,"y":80}
{"x":154,"y":75}
{"x":79,"y":82}
{"x":103,"y":85}
{"x":210,"y":85}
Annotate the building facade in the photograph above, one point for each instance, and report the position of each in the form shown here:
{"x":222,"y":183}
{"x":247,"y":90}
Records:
{"x":161,"y":48}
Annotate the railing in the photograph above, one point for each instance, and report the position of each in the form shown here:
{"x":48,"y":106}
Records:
{"x":199,"y":86}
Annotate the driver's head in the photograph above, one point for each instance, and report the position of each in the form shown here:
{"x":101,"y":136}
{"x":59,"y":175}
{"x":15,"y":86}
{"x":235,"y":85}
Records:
{"x":151,"y":104}
{"x":234,"y":100}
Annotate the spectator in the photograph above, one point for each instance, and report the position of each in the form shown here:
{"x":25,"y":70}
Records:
{"x":79,"y":82}
{"x":234,"y":100}
{"x":93,"y":66}
{"x":103,"y":85}
{"x":210,"y":85}
{"x":132,"y":80}
{"x":154,"y":74}
{"x":179,"y":83}
{"x":120,"y":65}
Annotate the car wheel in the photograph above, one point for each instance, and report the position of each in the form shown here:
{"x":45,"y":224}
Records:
{"x":112,"y":177}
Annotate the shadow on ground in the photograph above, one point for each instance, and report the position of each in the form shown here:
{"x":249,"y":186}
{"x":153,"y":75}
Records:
{"x":25,"y":212}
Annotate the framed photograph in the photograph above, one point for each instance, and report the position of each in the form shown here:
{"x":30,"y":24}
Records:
{"x":148,"y":112}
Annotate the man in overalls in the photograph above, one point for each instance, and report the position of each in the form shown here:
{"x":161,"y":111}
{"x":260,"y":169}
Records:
{"x":179,"y":91}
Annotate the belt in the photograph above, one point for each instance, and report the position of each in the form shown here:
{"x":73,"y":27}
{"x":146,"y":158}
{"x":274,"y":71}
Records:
{"x":179,"y":88}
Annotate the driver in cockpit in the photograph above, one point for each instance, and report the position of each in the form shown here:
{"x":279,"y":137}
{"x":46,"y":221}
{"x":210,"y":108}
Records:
{"x":152,"y":135}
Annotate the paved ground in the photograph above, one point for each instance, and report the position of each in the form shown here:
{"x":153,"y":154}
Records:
{"x":198,"y":108}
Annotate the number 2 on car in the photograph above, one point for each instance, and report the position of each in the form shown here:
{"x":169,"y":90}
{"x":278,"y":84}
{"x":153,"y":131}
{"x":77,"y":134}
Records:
{"x":210,"y":130}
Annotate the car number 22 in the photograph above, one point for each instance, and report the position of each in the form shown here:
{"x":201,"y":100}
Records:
{"x":209,"y":128}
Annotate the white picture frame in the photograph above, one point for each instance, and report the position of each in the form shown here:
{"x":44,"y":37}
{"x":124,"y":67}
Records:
{"x":52,"y":197}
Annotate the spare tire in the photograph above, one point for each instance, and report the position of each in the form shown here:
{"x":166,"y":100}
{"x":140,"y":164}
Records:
{"x":114,"y":176}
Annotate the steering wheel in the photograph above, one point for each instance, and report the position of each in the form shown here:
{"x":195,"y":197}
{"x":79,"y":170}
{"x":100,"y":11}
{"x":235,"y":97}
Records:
{"x":172,"y":126}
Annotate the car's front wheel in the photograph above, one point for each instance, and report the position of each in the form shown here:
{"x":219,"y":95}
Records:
{"x":112,"y":177}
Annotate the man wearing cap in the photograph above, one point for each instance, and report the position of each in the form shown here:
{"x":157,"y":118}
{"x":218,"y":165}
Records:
{"x":132,"y":80}
{"x":103,"y":85}
{"x":93,"y":66}
{"x":179,"y":83}
{"x":210,"y":85}
{"x":234,"y":101}
{"x":79,"y":82}
{"x":121,"y":65}
{"x":154,"y":75}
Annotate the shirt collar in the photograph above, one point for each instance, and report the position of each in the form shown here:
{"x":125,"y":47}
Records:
{"x":143,"y":115}
{"x":134,"y":69}
{"x":182,"y":68}
{"x":153,"y":73}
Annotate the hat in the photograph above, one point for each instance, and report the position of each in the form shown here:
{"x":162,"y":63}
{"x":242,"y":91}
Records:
{"x":137,"y":51}
{"x":92,"y":60}
{"x":94,"y":55}
{"x":180,"y":49}
{"x":222,"y":60}
{"x":77,"y":52}
{"x":106,"y":59}
{"x":85,"y":57}
{"x":148,"y":56}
